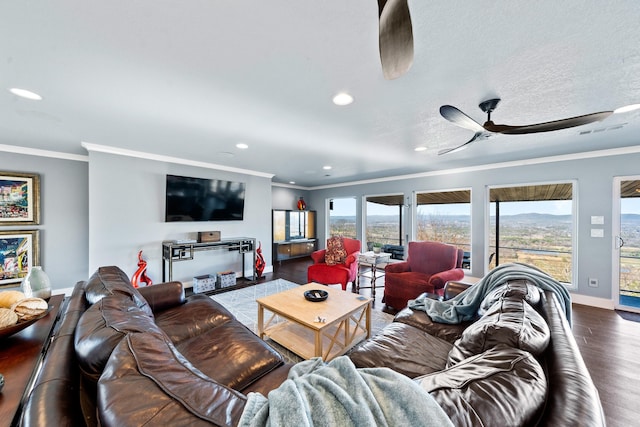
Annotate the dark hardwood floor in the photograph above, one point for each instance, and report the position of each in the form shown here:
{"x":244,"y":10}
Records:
{"x":610,"y":347}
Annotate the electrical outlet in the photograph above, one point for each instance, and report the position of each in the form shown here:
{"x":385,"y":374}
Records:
{"x":593,"y":283}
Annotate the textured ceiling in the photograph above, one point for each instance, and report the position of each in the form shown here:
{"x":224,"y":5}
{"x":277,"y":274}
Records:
{"x":191,"y":79}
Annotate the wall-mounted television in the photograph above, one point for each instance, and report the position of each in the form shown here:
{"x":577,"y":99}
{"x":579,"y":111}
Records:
{"x":199,"y":199}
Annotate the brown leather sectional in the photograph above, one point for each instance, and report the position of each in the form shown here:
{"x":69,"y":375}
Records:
{"x":516,"y":365}
{"x":149,"y":356}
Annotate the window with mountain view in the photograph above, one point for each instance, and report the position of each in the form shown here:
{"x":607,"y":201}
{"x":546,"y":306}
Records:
{"x":384,"y":220}
{"x":445,"y":216}
{"x":534,"y":225}
{"x":342,"y":217}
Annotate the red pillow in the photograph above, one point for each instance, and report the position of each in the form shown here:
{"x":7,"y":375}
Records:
{"x":336,"y":253}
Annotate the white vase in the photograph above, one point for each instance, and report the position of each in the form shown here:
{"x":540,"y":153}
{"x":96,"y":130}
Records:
{"x":36,"y":284}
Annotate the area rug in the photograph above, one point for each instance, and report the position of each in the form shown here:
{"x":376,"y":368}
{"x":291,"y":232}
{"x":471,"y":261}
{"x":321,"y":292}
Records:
{"x":242,"y":304}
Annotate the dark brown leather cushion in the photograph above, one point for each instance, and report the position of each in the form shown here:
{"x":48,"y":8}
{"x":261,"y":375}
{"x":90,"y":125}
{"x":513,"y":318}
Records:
{"x":103,"y":326}
{"x":147,"y":382}
{"x":198,"y":314}
{"x":510,"y":321}
{"x":503,"y":386}
{"x":107,"y":281}
{"x":231,"y":354}
{"x":404,"y":349}
{"x":422,"y":321}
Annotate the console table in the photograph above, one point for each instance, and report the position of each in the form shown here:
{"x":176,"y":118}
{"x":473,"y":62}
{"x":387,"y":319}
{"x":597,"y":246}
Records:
{"x":176,"y":252}
{"x":20,"y":357}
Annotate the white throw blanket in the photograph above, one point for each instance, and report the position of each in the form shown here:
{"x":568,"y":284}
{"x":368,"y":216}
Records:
{"x":339,"y":394}
{"x":464,"y":306}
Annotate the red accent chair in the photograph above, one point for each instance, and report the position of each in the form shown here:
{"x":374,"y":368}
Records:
{"x":429,"y":266}
{"x":321,"y":272}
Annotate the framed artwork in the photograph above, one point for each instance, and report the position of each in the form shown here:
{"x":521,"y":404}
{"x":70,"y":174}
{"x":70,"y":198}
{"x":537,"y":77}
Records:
{"x":19,"y":251}
{"x":19,"y":199}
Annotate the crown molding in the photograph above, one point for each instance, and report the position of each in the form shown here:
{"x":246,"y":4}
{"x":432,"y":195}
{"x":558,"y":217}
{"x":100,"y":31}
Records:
{"x":169,"y":159}
{"x":43,"y":153}
{"x":526,"y":162}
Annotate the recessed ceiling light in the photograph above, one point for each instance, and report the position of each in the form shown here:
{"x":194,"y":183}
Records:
{"x":420,"y":149}
{"x":292,"y":182}
{"x":342,"y":99}
{"x":27,"y":94}
{"x":626,"y":108}
{"x":242,"y":146}
{"x":326,"y":167}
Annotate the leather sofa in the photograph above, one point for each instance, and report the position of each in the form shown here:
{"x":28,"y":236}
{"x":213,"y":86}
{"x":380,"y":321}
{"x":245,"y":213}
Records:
{"x":148,"y":356}
{"x":515,"y":364}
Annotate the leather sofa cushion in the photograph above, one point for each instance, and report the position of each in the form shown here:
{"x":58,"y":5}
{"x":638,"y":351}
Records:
{"x":148,"y":382}
{"x":421,"y":320}
{"x":231,"y":354}
{"x":107,"y":281}
{"x":102,"y":327}
{"x":199,"y":313}
{"x":503,"y":386}
{"x":404,"y":349}
{"x":515,"y":288}
{"x":510,"y":321}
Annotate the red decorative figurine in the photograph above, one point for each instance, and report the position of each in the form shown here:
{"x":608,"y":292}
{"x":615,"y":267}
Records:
{"x":260,"y":262}
{"x":301,"y":204}
{"x":140,"y":276}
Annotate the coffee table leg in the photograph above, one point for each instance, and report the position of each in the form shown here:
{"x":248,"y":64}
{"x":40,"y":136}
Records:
{"x":260,"y":321}
{"x":368,"y":320}
{"x":318,"y":344}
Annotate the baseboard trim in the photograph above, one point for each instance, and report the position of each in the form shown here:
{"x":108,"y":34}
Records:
{"x":592,"y":301}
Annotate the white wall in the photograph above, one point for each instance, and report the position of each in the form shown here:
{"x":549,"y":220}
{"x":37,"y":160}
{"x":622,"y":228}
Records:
{"x":126,"y":211}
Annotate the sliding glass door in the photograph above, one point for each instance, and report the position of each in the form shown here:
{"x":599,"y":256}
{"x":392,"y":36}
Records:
{"x":627,"y":244}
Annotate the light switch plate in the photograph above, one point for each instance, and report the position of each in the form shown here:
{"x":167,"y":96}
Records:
{"x":597,"y":232}
{"x":597,"y":220}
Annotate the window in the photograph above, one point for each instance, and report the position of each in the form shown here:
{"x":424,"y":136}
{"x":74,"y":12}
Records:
{"x":342,"y":217}
{"x":384,"y":220}
{"x":534,"y":225}
{"x":445,"y":216}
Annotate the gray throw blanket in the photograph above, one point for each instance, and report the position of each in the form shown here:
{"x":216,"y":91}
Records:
{"x":338,"y":394}
{"x":464,"y":306}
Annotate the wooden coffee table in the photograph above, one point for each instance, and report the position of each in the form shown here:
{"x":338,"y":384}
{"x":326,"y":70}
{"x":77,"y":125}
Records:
{"x":346,"y":321}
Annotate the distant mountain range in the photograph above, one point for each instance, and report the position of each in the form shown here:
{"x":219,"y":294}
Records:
{"x":526,"y":218}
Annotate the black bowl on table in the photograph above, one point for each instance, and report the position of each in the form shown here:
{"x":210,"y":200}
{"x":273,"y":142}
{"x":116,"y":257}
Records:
{"x":316,"y":295}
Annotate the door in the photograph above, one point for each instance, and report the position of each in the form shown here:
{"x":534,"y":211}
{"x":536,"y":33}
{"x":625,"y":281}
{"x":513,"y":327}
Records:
{"x":626,"y":244}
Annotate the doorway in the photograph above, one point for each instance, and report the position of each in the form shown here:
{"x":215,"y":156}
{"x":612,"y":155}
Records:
{"x":626,"y":253}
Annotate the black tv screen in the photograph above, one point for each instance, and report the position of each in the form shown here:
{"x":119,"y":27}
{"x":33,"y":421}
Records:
{"x":198,"y":199}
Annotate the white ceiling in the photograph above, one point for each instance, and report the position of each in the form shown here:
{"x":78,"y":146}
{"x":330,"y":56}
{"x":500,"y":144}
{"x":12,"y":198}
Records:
{"x":190,"y":79}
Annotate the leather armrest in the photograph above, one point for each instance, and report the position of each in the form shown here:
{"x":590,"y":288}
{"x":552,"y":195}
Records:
{"x":397,"y":267}
{"x":454,"y":287}
{"x":163,"y":295}
{"x":318,"y":256}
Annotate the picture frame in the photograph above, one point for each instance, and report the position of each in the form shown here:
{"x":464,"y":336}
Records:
{"x":19,"y":198}
{"x":19,"y":251}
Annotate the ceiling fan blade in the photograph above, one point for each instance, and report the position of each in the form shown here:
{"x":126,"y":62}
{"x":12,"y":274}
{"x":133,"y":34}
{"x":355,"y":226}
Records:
{"x":459,"y":118}
{"x":547,"y":126}
{"x":478,"y":135}
{"x":395,"y":38}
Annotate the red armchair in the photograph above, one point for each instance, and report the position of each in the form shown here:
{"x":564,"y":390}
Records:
{"x":429,"y":266}
{"x":343,"y":273}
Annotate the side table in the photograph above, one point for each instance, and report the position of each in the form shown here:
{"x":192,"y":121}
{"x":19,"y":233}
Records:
{"x":370,"y":261}
{"x":20,"y":357}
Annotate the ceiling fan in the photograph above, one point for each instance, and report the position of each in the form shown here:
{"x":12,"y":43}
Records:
{"x":485,"y":130}
{"x":395,"y":38}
